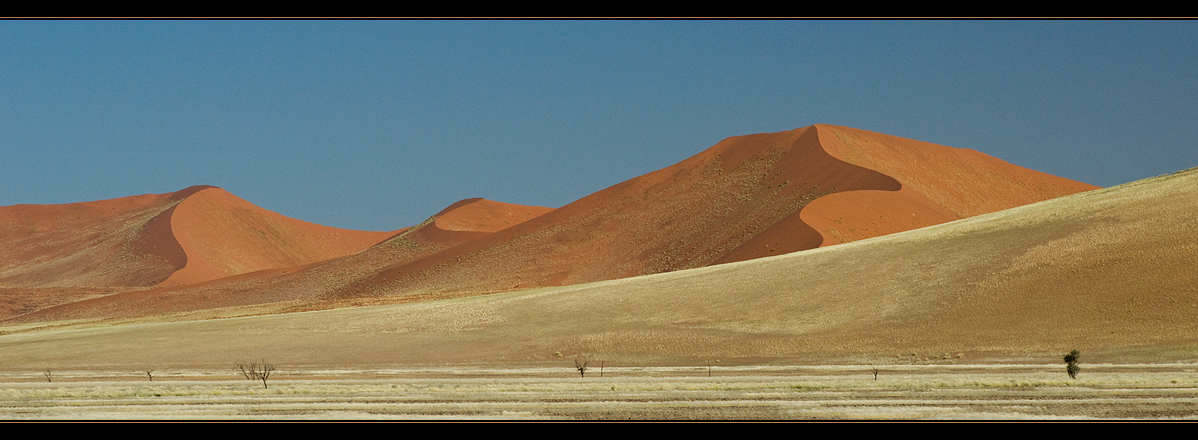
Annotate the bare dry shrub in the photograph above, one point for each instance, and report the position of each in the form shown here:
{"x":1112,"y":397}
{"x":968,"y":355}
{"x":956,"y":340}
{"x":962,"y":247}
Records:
{"x":257,"y":371}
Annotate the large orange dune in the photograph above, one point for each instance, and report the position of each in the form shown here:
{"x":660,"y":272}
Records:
{"x":747,"y":197}
{"x":198,"y":234}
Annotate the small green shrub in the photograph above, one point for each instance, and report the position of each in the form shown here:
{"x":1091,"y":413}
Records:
{"x":1071,"y":364}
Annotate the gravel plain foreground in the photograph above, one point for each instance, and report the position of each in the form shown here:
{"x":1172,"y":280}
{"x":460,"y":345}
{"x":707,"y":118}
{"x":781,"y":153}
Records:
{"x":1158,"y":392}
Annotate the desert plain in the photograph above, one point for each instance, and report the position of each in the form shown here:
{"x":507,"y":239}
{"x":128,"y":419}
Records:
{"x":768,"y":277}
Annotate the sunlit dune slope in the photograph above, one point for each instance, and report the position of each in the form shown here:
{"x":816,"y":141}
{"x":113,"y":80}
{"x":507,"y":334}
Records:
{"x":197,"y":234}
{"x":223,"y":235}
{"x":746,"y":197}
{"x":1108,"y":272}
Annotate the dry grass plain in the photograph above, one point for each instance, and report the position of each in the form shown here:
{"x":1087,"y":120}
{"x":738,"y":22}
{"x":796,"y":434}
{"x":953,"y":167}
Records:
{"x":847,"y":392}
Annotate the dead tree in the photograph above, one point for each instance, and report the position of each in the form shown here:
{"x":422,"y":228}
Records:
{"x":709,"y":363}
{"x":250,"y":371}
{"x":264,"y":372}
{"x":581,"y":367}
{"x":875,"y":372}
{"x":257,"y":371}
{"x":150,"y":374}
{"x":48,"y":376}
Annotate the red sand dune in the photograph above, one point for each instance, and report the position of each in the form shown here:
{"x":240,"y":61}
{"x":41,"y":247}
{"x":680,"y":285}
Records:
{"x":198,"y":234}
{"x":746,"y":197}
{"x":296,"y":288}
{"x":223,"y":235}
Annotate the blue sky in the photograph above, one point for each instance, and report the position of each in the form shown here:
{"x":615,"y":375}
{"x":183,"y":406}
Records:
{"x":378,"y":124}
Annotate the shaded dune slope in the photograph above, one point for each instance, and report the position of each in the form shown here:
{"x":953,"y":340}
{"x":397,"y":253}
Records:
{"x":119,"y":242}
{"x":198,"y":234}
{"x":1106,"y":271}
